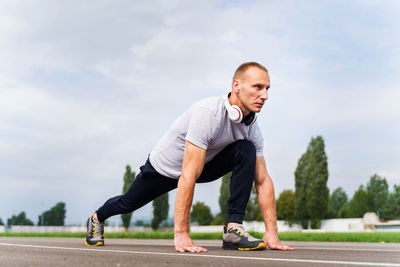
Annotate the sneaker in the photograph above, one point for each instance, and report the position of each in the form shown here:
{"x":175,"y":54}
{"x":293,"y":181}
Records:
{"x":94,"y":235}
{"x":238,"y":238}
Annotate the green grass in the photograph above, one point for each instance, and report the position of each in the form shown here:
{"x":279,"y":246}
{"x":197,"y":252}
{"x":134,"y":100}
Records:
{"x":43,"y":234}
{"x":386,"y":237}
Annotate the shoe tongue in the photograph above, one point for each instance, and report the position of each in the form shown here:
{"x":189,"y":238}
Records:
{"x":238,"y":227}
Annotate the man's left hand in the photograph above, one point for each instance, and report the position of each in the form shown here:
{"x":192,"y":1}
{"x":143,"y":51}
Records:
{"x":272,"y":242}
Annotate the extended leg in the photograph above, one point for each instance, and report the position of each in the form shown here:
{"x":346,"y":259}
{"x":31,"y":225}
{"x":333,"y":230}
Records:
{"x":148,"y":185}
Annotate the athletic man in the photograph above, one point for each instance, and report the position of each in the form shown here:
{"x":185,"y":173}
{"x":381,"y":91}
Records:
{"x":213,"y":137}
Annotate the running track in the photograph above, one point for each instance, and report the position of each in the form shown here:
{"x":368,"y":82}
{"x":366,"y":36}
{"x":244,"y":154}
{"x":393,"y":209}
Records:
{"x":22,"y":251}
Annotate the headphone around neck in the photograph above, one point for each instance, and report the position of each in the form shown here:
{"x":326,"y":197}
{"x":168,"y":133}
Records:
{"x":236,"y":114}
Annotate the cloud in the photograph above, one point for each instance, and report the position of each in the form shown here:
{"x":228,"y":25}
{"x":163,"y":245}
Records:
{"x":88,"y":87}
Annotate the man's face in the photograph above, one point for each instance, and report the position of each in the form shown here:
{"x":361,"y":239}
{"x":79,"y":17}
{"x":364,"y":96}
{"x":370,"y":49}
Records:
{"x":252,"y":87}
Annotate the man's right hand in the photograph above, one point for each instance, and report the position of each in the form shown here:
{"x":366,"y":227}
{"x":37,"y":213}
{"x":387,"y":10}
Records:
{"x":183,"y":243}
{"x":192,"y":166}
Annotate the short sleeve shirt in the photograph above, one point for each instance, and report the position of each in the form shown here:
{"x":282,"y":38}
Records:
{"x":205,"y":124}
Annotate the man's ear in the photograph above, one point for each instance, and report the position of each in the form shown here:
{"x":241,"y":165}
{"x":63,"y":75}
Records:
{"x":236,"y":86}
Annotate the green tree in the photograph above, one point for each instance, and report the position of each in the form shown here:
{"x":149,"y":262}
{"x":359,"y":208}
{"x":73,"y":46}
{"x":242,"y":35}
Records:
{"x":344,"y":211}
{"x":378,"y":193}
{"x":160,"y":210}
{"x":224,"y":197}
{"x":311,"y":176}
{"x":54,"y":216}
{"x":336,"y":201}
{"x":285,"y":206}
{"x":359,"y":204}
{"x":1,"y":222}
{"x":201,"y":213}
{"x":19,"y":219}
{"x":392,"y":208}
{"x":129,"y":178}
{"x":139,"y":223}
{"x":218,"y":220}
{"x":253,"y":212}
{"x":300,"y":199}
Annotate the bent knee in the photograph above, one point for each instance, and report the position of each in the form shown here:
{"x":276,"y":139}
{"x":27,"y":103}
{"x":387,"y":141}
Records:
{"x":246,"y":146}
{"x":246,"y":149}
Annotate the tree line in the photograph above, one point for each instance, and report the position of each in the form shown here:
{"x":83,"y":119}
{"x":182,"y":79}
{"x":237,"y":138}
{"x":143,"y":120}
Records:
{"x":307,"y":205}
{"x":53,"y":217}
{"x":311,"y":201}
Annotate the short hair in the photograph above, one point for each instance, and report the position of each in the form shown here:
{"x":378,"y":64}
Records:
{"x":245,"y":66}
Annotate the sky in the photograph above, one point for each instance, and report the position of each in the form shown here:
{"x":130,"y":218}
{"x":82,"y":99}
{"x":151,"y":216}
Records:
{"x":87,"y":87}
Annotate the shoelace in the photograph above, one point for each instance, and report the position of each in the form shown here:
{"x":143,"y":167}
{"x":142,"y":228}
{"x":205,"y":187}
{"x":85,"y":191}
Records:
{"x":246,"y":234}
{"x":240,"y":231}
{"x":97,"y":228}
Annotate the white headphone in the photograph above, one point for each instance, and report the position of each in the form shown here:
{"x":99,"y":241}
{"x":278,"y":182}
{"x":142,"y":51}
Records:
{"x":236,"y":114}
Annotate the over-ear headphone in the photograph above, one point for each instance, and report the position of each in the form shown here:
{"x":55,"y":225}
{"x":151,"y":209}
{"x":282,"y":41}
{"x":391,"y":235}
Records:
{"x":236,"y":114}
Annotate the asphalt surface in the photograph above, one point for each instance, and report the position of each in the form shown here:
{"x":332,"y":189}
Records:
{"x":23,"y":251}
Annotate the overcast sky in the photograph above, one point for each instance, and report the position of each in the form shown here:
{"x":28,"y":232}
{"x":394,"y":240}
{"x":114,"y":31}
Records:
{"x":87,"y":87}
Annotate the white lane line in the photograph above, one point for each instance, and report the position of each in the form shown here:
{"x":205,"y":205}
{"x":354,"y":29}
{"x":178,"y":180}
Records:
{"x":207,"y":255}
{"x":352,"y":249}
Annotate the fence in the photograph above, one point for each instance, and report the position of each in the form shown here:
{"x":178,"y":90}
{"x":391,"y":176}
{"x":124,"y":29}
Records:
{"x":369,"y":222}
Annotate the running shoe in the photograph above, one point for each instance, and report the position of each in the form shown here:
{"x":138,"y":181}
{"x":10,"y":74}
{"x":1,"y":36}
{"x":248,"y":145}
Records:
{"x":94,"y":235}
{"x":238,"y":238}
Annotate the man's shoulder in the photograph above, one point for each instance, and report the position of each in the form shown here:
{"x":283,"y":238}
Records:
{"x":212,"y":104}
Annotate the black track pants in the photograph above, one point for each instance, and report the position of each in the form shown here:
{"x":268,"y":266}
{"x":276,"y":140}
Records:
{"x":238,"y":157}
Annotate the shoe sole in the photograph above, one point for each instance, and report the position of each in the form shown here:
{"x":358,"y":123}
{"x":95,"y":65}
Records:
{"x":99,"y":243}
{"x":260,"y":246}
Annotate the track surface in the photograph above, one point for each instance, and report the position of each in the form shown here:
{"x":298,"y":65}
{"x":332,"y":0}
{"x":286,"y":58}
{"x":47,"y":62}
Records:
{"x":22,"y":251}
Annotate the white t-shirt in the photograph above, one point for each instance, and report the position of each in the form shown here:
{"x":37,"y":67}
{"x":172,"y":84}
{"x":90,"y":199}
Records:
{"x":205,"y":124}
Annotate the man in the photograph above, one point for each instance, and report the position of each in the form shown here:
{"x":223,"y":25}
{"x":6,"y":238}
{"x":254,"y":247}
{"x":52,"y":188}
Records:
{"x":213,"y":137}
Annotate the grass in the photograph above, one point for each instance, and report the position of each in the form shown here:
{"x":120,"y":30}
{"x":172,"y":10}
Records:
{"x":385,"y":237}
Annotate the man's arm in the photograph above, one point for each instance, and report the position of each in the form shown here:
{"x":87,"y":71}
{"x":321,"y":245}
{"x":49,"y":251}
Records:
{"x":192,"y":166}
{"x":266,"y":199}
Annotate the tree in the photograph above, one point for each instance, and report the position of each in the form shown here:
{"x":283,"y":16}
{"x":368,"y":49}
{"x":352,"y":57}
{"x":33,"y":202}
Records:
{"x":311,"y":176}
{"x":201,"y":213}
{"x":139,"y":223}
{"x":160,"y":210}
{"x":336,"y":201}
{"x":20,"y":219}
{"x":344,"y":211}
{"x":378,"y":193}
{"x":129,"y":178}
{"x":253,"y":212}
{"x":224,"y":197}
{"x":300,"y":199}
{"x":392,"y":208}
{"x":218,"y":220}
{"x":1,"y":222}
{"x":359,"y":204}
{"x":54,"y":216}
{"x":285,"y":206}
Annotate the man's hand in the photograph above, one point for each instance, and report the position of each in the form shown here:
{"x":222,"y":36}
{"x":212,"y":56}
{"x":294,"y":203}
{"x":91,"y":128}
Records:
{"x":272,"y":242}
{"x":192,"y":166}
{"x":266,"y":199}
{"x":183,"y":243}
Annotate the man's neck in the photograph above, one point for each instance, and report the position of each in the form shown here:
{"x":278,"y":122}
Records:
{"x":234,"y":100}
